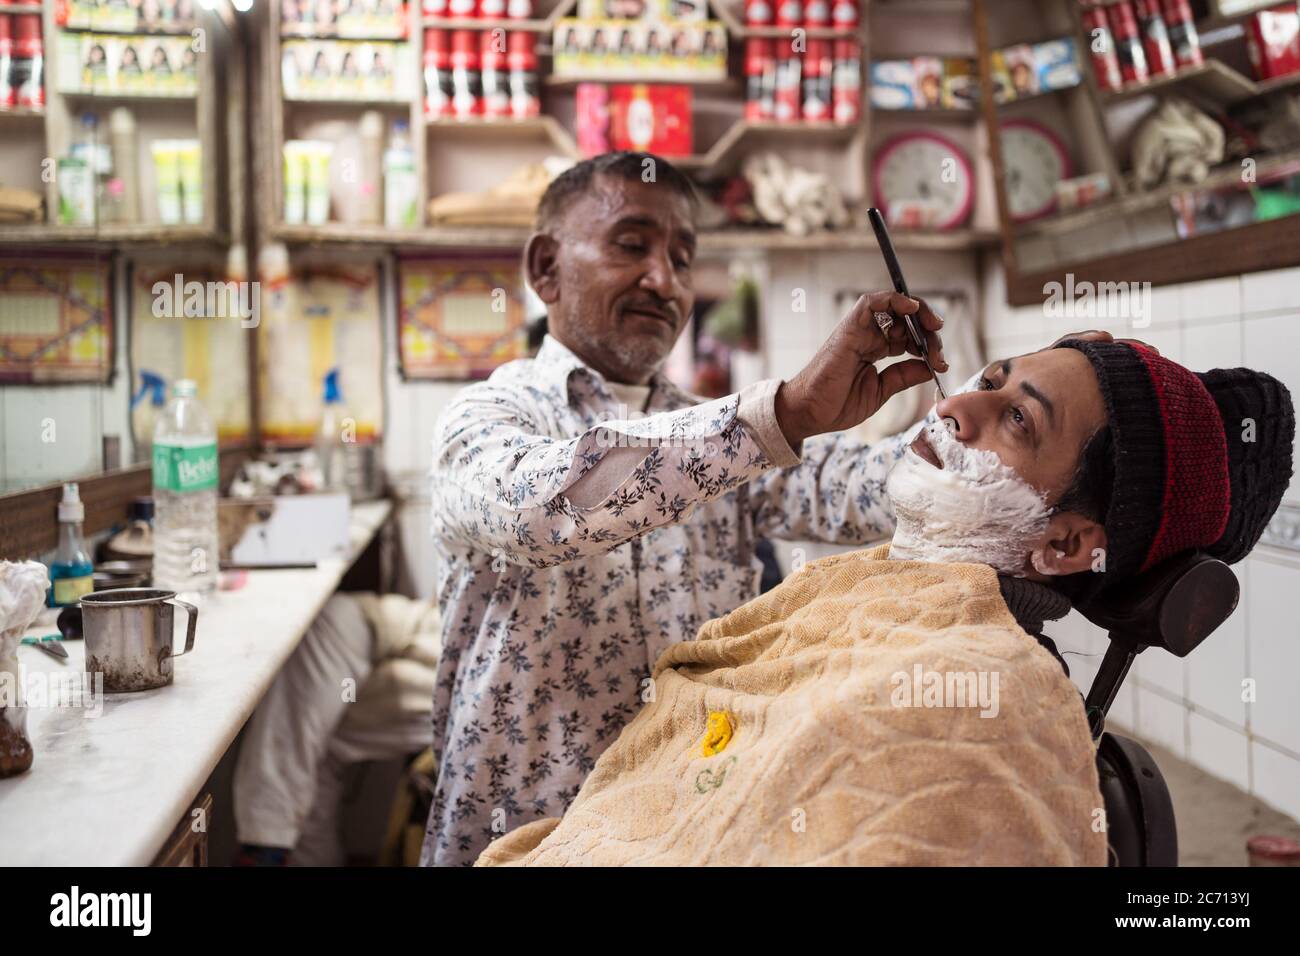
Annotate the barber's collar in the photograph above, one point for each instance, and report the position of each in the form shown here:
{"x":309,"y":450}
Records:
{"x":558,"y":367}
{"x":1031,"y":603}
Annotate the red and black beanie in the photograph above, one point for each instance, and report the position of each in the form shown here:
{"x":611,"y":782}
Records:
{"x":1201,"y":459}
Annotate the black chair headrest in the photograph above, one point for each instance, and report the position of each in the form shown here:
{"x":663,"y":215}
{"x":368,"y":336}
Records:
{"x":1176,"y":605}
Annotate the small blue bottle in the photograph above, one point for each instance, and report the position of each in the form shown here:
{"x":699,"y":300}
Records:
{"x":71,"y":574}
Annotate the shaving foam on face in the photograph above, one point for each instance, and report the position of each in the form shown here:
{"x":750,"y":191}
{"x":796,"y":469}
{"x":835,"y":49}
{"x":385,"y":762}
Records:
{"x":974,"y":510}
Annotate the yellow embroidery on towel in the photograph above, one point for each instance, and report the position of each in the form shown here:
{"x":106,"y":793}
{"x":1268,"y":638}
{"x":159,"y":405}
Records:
{"x":718,"y":734}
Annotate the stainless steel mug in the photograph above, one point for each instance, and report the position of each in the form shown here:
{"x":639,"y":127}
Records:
{"x":128,"y":634}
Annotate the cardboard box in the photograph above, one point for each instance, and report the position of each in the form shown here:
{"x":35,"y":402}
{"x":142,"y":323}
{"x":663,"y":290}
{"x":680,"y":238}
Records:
{"x":654,"y":119}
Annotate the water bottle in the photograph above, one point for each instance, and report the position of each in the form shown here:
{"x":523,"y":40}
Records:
{"x":185,"y":495}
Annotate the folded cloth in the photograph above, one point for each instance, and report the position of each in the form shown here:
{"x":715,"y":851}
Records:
{"x":512,"y":202}
{"x":805,"y":728}
{"x":19,"y":205}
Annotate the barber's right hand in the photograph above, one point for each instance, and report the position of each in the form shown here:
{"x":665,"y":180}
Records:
{"x":841,"y":386}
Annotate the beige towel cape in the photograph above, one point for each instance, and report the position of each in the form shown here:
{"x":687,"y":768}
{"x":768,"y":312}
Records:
{"x":839,"y":752}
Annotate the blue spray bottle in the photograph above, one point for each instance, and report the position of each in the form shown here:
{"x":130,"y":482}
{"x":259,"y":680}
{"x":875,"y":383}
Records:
{"x":71,"y":573}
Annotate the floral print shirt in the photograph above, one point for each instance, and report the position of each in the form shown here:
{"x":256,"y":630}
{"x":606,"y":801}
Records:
{"x":576,"y":542}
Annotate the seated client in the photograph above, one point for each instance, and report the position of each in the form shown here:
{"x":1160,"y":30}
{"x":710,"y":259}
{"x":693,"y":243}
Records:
{"x":899,"y":705}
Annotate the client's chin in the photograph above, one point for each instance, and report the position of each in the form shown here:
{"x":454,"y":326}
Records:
{"x":965,"y":507}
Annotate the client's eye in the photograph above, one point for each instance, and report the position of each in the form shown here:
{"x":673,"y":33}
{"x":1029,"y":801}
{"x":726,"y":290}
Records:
{"x":985,"y":385}
{"x":1018,"y":416}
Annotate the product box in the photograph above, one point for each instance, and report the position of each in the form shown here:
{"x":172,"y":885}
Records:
{"x":893,"y":85}
{"x":1056,"y":64}
{"x":927,"y":73}
{"x":1081,"y":191}
{"x":960,"y":86}
{"x":1273,"y":39}
{"x":345,"y":70}
{"x":372,"y":19}
{"x":285,"y":530}
{"x":1021,"y":69}
{"x":640,"y":48}
{"x":127,"y":64}
{"x":592,"y":118}
{"x":655,"y":119}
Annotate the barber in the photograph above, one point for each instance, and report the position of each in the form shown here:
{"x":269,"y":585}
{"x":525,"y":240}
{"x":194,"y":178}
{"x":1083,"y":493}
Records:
{"x":587,"y":513}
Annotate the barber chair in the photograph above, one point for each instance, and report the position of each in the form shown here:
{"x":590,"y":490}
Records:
{"x":1173,"y":607}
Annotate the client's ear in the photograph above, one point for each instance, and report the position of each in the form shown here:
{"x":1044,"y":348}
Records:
{"x":1071,"y":543}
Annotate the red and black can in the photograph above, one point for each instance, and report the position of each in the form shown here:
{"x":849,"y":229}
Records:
{"x":786,"y":101}
{"x":437,"y":74}
{"x":789,"y":13}
{"x":844,"y":13}
{"x":846,"y":83}
{"x":7,"y":92}
{"x":521,"y":60}
{"x":1155,"y":37}
{"x":817,"y":70}
{"x":1102,"y":44}
{"x":759,"y":13}
{"x":1182,"y":33}
{"x":817,"y":13}
{"x":1128,"y":45}
{"x":466,"y":87}
{"x":760,"y":79}
{"x":492,"y":73}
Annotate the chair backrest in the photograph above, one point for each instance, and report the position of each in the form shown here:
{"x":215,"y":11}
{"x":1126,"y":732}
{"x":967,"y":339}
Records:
{"x":1175,"y":605}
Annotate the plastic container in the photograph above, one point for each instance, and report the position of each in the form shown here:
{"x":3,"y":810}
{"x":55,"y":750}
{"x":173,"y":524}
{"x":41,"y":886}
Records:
{"x":185,"y":476}
{"x":72,"y":576}
{"x":124,"y":188}
{"x":401,"y":182}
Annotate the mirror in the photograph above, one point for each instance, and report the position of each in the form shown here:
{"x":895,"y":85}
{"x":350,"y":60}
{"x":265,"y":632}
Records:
{"x":121,"y":264}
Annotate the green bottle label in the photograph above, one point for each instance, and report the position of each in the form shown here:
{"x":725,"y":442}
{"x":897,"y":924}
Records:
{"x":185,"y":468}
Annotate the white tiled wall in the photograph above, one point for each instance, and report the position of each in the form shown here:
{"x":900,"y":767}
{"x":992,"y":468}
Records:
{"x":1200,"y":707}
{"x":1194,"y":706}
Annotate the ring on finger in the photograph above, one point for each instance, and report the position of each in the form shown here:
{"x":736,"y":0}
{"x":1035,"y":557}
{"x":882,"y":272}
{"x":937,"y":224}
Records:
{"x":884,"y":321}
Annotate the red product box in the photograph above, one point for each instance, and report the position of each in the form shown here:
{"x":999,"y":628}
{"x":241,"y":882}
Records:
{"x":1273,"y":37}
{"x":654,"y":119}
{"x":593,"y":118}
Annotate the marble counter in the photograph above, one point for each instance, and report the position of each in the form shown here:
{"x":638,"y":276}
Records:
{"x":108,"y":789}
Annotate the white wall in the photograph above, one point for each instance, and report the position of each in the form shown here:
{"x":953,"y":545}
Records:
{"x":1194,"y":706}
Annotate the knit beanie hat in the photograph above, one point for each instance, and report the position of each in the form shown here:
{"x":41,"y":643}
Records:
{"x":1201,"y":459}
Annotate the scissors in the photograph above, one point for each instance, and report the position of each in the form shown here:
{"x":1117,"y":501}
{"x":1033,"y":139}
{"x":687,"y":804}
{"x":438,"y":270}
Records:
{"x":900,"y":285}
{"x":49,"y":645}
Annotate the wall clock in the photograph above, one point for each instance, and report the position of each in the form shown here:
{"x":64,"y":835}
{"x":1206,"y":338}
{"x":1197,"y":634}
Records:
{"x":925,"y":172}
{"x":1034,"y":160}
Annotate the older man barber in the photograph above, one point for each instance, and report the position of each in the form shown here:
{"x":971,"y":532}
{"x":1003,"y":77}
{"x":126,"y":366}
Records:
{"x":578,"y":539}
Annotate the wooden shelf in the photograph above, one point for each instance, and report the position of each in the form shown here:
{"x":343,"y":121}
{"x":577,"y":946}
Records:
{"x":727,"y":240}
{"x":347,"y":103}
{"x":942,"y":8}
{"x":453,"y":23}
{"x":38,"y":234}
{"x":722,"y":85}
{"x":436,"y":237}
{"x":735,"y":240}
{"x":1038,"y":95}
{"x":1278,"y":83}
{"x":937,"y":114}
{"x":21,"y":112}
{"x":121,"y":96}
{"x":20,"y":8}
{"x":1212,"y":80}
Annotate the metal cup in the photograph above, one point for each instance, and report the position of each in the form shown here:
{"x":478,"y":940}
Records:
{"x":128,"y":634}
